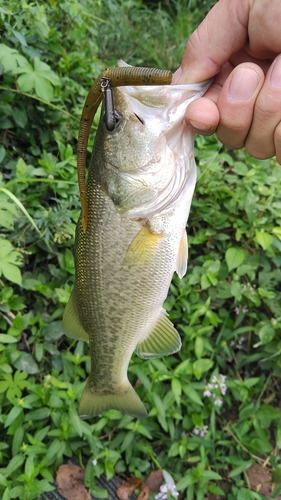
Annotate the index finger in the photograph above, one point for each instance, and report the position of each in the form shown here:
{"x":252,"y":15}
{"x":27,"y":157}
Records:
{"x":221,"y":34}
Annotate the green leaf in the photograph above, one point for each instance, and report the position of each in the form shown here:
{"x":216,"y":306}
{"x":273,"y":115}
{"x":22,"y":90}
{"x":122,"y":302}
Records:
{"x":240,"y":468}
{"x":99,"y":492}
{"x":29,"y":466}
{"x":41,"y":79}
{"x":174,"y":450}
{"x":244,"y":494}
{"x":43,"y":88}
{"x":167,"y":477}
{"x":209,"y":474}
{"x":264,"y":239}
{"x":161,"y":410}
{"x":20,"y":117}
{"x":185,"y":481}
{"x":11,"y":58}
{"x":205,"y":282}
{"x":6,"y":218}
{"x":235,"y":289}
{"x":266,"y":333}
{"x":26,"y":363}
{"x":268,"y":412}
{"x":199,"y":347}
{"x":12,"y":273}
{"x":234,"y":257}
{"x":201,"y":366}
{"x":53,"y":331}
{"x":5,"y":338}
{"x":14,"y":464}
{"x":6,"y":494}
{"x":17,"y":440}
{"x":176,"y":388}
{"x":40,"y":413}
{"x":39,"y":351}
{"x":182,"y":367}
{"x":12,"y":415}
{"x":3,"y":480}
{"x":53,"y":451}
{"x":192,"y":394}
{"x":76,"y":422}
{"x":2,"y":153}
{"x":46,"y":72}
{"x":26,"y":82}
{"x":277,"y":231}
{"x":17,"y":492}
{"x":9,"y":260}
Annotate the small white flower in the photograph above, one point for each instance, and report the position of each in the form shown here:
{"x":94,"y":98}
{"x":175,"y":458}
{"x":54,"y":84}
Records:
{"x":165,"y":489}
{"x":218,"y":402}
{"x":223,"y":389}
{"x":204,"y":431}
{"x":196,"y":430}
{"x":207,"y":393}
{"x":94,"y":462}
{"x":161,"y":496}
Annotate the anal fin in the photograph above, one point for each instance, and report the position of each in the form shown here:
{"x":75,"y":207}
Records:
{"x":70,"y":322}
{"x":162,"y":340}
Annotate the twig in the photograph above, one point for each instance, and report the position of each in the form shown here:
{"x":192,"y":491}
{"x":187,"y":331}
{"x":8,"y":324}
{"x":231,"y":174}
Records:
{"x":259,"y":460}
{"x":6,"y":319}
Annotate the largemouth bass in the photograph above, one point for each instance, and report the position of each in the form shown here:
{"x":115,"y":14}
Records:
{"x":139,"y":190}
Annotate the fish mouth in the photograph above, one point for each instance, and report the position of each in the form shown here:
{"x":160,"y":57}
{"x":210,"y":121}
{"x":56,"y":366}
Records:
{"x":139,"y":118}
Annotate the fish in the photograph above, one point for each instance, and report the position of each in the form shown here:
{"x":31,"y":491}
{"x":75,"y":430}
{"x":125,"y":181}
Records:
{"x":140,"y":185}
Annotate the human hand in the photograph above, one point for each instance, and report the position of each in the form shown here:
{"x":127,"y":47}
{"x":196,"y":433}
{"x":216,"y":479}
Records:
{"x":239,"y":41}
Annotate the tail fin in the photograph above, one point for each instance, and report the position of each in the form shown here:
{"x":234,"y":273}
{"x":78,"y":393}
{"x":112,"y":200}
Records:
{"x":124,"y":399}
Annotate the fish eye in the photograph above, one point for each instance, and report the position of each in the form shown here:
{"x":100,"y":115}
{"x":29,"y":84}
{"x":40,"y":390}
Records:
{"x":118,"y":117}
{"x":140,"y":119}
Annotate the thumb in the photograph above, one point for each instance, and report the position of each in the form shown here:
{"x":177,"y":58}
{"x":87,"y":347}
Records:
{"x":221,"y":34}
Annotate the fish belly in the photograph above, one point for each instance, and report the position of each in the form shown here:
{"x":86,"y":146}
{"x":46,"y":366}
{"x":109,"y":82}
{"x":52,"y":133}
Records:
{"x":117,"y":300}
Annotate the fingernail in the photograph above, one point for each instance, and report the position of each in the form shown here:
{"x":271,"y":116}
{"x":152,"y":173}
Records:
{"x":176,"y":76}
{"x":275,"y":76}
{"x":200,"y":127}
{"x":243,"y":84}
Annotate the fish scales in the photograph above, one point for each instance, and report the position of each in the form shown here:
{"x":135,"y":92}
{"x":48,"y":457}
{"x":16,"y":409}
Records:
{"x":139,"y":190}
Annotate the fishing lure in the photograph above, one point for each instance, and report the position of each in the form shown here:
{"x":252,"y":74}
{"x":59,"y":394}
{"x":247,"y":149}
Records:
{"x":111,"y":77}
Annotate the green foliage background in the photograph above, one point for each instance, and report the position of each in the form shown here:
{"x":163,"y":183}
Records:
{"x":227,"y":308}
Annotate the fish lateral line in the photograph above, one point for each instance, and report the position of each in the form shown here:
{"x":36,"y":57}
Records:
{"x":118,"y":77}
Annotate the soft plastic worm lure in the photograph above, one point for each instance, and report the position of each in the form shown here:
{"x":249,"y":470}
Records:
{"x":117,"y":77}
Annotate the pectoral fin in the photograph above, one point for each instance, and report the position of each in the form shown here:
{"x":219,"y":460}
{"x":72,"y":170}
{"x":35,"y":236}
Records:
{"x":142,"y":249}
{"x":162,"y":341}
{"x":182,"y":256}
{"x":71,"y":323}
